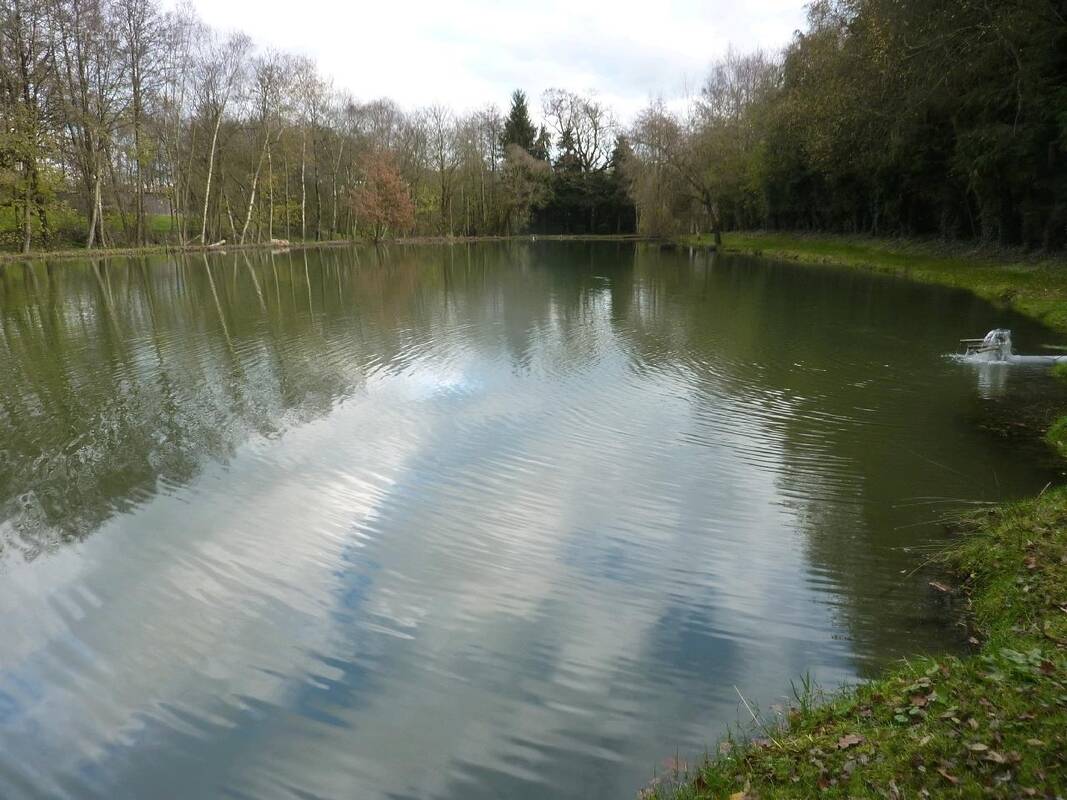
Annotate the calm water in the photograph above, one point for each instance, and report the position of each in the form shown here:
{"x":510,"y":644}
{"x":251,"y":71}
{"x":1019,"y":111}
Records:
{"x":493,"y":521}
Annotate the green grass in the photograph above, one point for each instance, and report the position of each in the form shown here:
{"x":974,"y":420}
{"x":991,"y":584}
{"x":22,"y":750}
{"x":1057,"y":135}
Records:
{"x":1057,"y":436}
{"x":1033,"y":284}
{"x":991,"y":725}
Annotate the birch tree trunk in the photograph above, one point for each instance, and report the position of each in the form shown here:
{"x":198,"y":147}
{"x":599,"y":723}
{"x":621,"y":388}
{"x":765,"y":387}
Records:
{"x":27,"y":226}
{"x":252,"y":193}
{"x":285,"y":165}
{"x":303,"y":186}
{"x":270,"y":192}
{"x":210,"y":169}
{"x":96,"y":208}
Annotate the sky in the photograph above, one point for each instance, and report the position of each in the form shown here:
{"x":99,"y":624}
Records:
{"x":467,"y":53}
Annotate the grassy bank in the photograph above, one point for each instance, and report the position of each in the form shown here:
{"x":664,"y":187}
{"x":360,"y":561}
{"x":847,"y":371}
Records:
{"x":1057,"y":434}
{"x":161,"y":249}
{"x":111,"y":252}
{"x":1033,"y":284}
{"x":990,"y":725}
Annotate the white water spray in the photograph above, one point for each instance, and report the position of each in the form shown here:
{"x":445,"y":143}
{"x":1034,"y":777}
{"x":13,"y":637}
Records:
{"x":995,"y":348}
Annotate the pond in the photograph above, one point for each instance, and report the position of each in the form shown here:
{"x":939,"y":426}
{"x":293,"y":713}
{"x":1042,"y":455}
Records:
{"x":499,"y":520}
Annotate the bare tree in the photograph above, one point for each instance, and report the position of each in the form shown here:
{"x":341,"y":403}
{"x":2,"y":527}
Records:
{"x":269,"y":78}
{"x":672,"y":169}
{"x":735,"y":84}
{"x":141,"y":31}
{"x":221,"y":68}
{"x":26,"y":72}
{"x":589,"y":124}
{"x":181,"y":31}
{"x":90,"y":76}
{"x":444,"y":158}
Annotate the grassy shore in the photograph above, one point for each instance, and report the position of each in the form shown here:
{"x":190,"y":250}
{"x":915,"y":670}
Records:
{"x":158,"y":249}
{"x":1036,"y":285}
{"x":990,"y":725}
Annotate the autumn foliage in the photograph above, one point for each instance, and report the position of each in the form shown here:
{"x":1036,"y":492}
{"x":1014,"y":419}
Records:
{"x":382,"y":202}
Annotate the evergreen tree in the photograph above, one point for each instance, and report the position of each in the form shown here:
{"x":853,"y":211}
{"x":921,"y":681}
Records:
{"x":518,"y":129}
{"x":567,"y":161}
{"x":622,"y":153}
{"x":542,"y":147}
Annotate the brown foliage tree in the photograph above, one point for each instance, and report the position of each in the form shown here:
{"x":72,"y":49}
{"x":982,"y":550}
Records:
{"x":382,"y":202}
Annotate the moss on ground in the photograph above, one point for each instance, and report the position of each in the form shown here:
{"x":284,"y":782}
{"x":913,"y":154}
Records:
{"x":991,"y":725}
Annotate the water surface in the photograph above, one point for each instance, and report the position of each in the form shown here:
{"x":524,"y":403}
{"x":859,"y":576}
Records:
{"x":500,"y":520}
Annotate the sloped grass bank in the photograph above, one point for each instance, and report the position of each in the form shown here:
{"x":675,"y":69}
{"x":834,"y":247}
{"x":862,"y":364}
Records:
{"x":990,"y":725}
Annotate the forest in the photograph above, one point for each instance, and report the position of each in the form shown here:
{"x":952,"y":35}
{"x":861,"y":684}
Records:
{"x":125,"y":123}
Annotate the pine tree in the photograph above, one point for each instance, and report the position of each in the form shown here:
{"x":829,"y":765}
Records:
{"x":518,"y":129}
{"x":568,"y":160}
{"x":542,"y":146}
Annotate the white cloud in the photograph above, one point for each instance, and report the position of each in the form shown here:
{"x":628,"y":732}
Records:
{"x":468,"y":53}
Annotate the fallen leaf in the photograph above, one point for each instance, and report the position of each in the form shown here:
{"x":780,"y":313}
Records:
{"x":950,"y":778}
{"x":995,"y":757}
{"x":918,"y":700}
{"x":739,"y":796}
{"x":849,"y":740}
{"x":1035,"y":742}
{"x":977,"y":747}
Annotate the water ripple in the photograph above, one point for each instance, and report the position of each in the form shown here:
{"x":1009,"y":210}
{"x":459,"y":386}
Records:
{"x":361,"y":524}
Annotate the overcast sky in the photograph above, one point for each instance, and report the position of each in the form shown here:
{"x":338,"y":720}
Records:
{"x":467,"y":53}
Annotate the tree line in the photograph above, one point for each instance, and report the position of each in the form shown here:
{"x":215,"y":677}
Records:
{"x":122,"y":123}
{"x":883,"y":117}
